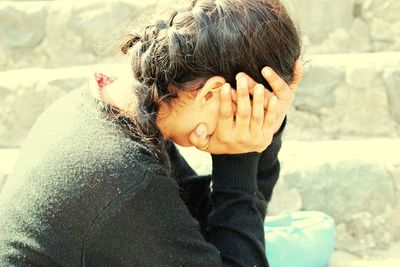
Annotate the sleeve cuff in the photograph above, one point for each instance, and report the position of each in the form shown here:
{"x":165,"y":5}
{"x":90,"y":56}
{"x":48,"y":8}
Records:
{"x":269,"y":156}
{"x":279,"y":132}
{"x":235,"y":171}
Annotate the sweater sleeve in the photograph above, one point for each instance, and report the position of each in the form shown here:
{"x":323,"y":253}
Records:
{"x":194,"y":188}
{"x":149,"y":225}
{"x":235,"y":224}
{"x":269,"y":165}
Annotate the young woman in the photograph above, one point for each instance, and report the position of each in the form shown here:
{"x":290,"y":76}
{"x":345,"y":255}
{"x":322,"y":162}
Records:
{"x":99,"y":181}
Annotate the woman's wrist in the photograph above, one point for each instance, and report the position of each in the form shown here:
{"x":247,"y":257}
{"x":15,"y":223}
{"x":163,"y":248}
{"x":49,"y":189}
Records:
{"x":282,"y":126}
{"x":235,"y":171}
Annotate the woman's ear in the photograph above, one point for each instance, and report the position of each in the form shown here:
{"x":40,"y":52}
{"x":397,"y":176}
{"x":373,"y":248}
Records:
{"x":210,"y":90}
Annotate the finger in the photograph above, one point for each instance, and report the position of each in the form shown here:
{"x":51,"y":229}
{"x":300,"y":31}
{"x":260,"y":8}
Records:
{"x":252,"y":83}
{"x":199,"y":138}
{"x":250,"y":80}
{"x":279,"y":86}
{"x":297,"y":75}
{"x":267,"y":96}
{"x":267,"y":93}
{"x":225,"y":121}
{"x":243,"y":106}
{"x":257,"y":116}
{"x":270,"y":115}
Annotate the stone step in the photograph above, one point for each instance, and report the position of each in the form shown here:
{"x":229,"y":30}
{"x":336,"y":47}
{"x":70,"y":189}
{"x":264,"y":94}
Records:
{"x":387,"y":258}
{"x":65,"y":33}
{"x":347,"y":96}
{"x":8,"y":158}
{"x":25,"y":93}
{"x":324,"y":175}
{"x":344,"y":26}
{"x":357,"y":182}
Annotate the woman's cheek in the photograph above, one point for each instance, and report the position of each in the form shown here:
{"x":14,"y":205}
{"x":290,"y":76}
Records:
{"x":215,"y":117}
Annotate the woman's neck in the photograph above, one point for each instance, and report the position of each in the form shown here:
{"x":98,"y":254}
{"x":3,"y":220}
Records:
{"x":119,"y":95}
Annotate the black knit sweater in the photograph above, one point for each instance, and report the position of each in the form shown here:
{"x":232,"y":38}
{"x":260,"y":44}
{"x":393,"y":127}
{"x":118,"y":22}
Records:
{"x":83,"y":193}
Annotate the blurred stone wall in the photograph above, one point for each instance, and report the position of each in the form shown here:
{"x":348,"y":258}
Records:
{"x":342,"y":142}
{"x":345,"y":26}
{"x":350,"y":95}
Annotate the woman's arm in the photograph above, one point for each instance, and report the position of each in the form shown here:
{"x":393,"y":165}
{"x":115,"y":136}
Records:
{"x":268,"y":169}
{"x":194,"y":188}
{"x":269,"y":165}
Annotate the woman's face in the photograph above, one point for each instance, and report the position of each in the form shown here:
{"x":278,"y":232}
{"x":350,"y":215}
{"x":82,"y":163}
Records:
{"x":181,"y":118}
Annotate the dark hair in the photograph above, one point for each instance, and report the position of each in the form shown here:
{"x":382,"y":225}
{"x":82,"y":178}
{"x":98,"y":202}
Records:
{"x":208,"y":38}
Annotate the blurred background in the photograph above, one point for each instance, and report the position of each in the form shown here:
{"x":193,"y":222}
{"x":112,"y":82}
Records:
{"x":341,"y":151}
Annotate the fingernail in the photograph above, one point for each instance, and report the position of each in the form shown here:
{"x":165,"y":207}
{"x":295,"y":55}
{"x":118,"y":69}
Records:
{"x":242,"y":82}
{"x":226,"y":89}
{"x":200,"y":129}
{"x":239,"y":75}
{"x":267,"y":72}
{"x":259,"y":89}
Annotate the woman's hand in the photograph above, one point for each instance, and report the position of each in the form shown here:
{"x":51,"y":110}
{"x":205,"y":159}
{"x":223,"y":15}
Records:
{"x":250,"y":132}
{"x":283,"y":94}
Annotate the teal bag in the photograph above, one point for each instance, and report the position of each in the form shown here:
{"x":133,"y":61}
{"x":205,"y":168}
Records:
{"x":299,"y":239}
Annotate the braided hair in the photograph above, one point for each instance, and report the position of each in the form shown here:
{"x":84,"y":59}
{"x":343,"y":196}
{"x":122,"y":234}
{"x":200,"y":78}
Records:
{"x":204,"y":39}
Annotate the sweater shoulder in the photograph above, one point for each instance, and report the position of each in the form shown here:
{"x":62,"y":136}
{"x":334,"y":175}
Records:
{"x":71,"y":167}
{"x":73,"y":162}
{"x":72,"y":146}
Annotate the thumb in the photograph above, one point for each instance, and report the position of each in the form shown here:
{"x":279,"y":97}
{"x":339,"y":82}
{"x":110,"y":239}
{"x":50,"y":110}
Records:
{"x":199,"y":138}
